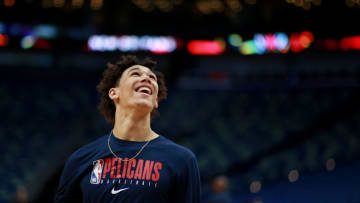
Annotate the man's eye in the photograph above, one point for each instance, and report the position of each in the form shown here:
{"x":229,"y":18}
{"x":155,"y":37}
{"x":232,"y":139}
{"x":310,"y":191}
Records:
{"x":152,"y":77}
{"x":135,"y":73}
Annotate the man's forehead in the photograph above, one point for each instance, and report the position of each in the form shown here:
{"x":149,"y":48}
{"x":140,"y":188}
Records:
{"x":139,"y":67}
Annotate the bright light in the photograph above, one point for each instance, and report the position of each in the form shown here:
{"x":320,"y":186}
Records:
{"x":282,"y":42}
{"x":235,"y":40}
{"x":45,"y":31}
{"x":4,"y":40}
{"x":155,"y":44}
{"x":161,"y":45}
{"x":27,"y":42}
{"x":270,"y":42}
{"x":260,"y":43}
{"x":277,"y":42}
{"x":205,"y":47}
{"x":299,"y":42}
{"x":110,"y":43}
{"x":350,"y":43}
{"x":95,"y":43}
{"x":306,"y":38}
{"x":129,"y":43}
{"x":295,"y":43}
{"x":330,"y":164}
{"x":255,"y":186}
{"x":293,"y":176}
{"x":304,"y":41}
{"x":248,"y":48}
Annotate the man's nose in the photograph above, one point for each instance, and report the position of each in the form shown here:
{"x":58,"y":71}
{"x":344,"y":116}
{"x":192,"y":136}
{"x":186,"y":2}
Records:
{"x":145,"y":78}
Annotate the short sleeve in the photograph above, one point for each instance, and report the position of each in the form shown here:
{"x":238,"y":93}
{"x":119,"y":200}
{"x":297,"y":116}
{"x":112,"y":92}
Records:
{"x":188,"y":188}
{"x":69,"y":187}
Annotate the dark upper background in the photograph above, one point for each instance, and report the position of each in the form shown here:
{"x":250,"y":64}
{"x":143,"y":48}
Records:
{"x":187,"y":19}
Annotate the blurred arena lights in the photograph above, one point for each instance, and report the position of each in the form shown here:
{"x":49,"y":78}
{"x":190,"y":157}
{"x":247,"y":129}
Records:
{"x":126,"y":43}
{"x":235,"y":40}
{"x":4,"y":40}
{"x":255,"y":186}
{"x":260,"y":43}
{"x":330,"y":164}
{"x":305,"y":4}
{"x":27,"y":42}
{"x":348,"y":43}
{"x":205,"y":47}
{"x":9,"y":2}
{"x":248,"y":48}
{"x":77,"y":3}
{"x":268,"y":43}
{"x":293,"y":176}
{"x":278,"y":42}
{"x":59,"y":3}
{"x":45,"y":31}
{"x":96,"y":4}
{"x":282,"y":42}
{"x":301,"y":41}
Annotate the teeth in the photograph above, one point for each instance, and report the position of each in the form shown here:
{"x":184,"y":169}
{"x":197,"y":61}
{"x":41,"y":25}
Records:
{"x":145,"y":89}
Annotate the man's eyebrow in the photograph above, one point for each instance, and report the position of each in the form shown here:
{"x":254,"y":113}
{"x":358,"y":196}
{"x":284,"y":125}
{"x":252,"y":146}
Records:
{"x":136,"y":68}
{"x":133,"y":69}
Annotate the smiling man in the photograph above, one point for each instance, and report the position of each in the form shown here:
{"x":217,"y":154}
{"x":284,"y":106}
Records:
{"x":132,"y":163}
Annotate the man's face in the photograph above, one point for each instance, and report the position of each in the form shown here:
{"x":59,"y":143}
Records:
{"x":137,"y":88}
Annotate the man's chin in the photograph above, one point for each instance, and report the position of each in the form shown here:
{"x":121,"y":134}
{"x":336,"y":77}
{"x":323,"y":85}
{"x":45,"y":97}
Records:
{"x":144,"y":105}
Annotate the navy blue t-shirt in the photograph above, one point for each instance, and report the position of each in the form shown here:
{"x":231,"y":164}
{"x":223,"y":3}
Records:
{"x":163,"y":172}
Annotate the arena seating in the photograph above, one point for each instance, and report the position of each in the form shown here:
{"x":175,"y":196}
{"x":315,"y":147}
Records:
{"x":223,"y":128}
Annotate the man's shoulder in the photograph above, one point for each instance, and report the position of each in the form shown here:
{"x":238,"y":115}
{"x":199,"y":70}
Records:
{"x":79,"y":160}
{"x":89,"y":149}
{"x":175,"y":149}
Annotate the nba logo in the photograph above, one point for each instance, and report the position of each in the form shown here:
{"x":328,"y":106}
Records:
{"x":97,"y":171}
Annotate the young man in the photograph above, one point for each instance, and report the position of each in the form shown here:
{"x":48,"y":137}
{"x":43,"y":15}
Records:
{"x":132,"y":163}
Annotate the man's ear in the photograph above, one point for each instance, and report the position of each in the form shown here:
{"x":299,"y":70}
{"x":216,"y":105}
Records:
{"x":113,"y":94}
{"x":156,"y":103}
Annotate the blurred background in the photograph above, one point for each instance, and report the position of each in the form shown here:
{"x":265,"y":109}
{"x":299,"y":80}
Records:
{"x":265,"y":93}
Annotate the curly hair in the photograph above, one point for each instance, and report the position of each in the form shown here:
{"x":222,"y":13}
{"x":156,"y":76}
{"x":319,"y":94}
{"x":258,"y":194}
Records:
{"x":111,"y":77}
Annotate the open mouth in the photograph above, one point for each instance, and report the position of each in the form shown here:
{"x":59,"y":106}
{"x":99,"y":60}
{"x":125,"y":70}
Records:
{"x":144,"y":89}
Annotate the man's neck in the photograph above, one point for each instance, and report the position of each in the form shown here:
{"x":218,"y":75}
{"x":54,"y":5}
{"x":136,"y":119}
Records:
{"x":132,"y":127}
